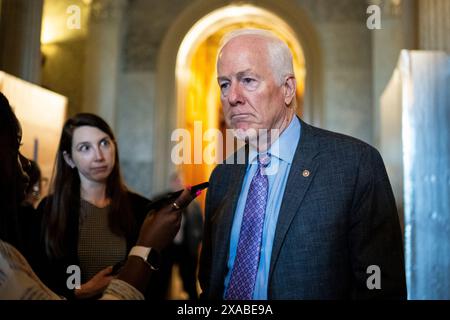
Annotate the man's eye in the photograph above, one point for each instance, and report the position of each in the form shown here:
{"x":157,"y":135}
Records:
{"x":249,"y":83}
{"x":224,"y":85}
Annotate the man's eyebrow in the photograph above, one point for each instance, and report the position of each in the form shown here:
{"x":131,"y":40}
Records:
{"x":246,"y":72}
{"x":239,"y":75}
{"x":222,"y":78}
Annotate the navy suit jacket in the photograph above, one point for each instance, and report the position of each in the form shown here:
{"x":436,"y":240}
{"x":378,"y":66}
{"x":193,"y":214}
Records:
{"x":333,"y":224}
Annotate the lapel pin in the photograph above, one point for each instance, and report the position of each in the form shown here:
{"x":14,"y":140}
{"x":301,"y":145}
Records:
{"x":306,"y":173}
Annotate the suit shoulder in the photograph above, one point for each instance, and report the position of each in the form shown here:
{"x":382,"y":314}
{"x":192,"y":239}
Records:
{"x":334,"y":141}
{"x":222,"y":172}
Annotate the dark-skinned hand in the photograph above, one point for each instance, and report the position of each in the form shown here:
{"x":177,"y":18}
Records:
{"x":161,"y":226}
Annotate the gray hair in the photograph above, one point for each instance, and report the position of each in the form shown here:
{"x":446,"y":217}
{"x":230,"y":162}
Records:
{"x":280,"y":55}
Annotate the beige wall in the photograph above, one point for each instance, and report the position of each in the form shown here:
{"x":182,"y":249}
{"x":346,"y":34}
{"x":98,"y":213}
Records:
{"x":41,"y":114}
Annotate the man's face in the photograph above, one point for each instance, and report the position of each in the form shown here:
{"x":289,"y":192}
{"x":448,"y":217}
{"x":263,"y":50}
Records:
{"x":251,"y":99}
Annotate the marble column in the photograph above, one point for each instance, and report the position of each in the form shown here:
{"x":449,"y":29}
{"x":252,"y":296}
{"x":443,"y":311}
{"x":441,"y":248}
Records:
{"x":20,"y":35}
{"x":426,"y":155}
{"x":434,"y":25}
{"x":398,"y":31}
{"x":102,"y":63}
{"x":416,"y":140}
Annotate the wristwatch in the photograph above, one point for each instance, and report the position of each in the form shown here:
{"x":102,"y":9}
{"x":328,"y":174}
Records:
{"x":149,"y":255}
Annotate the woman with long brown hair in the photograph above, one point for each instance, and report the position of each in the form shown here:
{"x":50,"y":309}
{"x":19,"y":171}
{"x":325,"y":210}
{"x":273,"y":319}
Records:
{"x":18,"y":281}
{"x":90,"y":219}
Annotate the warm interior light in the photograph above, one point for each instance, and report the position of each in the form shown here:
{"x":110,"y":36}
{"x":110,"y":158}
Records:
{"x":57,"y":17}
{"x":49,"y":31}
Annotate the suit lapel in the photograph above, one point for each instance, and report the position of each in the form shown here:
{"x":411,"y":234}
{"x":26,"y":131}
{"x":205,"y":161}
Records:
{"x":224,"y":217}
{"x":301,"y":174}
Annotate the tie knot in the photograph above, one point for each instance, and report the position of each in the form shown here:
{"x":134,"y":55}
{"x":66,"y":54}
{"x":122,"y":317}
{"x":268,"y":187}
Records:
{"x":264,"y":160}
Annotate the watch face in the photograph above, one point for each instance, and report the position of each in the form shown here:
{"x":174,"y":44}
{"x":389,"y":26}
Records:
{"x":154,"y":259}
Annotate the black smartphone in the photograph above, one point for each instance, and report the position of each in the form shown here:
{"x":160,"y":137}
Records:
{"x":116,"y":268}
{"x":197,"y":188}
{"x":166,"y":199}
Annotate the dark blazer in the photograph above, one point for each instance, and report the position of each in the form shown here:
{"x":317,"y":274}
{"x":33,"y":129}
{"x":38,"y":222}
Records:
{"x":333,"y":224}
{"x":53,"y":272}
{"x":193,"y":228}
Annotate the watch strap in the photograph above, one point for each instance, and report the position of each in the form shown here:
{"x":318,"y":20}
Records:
{"x":142,"y":252}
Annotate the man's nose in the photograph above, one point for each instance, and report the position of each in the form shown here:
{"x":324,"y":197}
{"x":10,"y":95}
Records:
{"x":235,"y":95}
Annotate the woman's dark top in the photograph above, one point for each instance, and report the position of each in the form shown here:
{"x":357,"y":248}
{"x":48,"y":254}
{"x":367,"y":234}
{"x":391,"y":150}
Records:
{"x":53,"y":272}
{"x":98,"y":246}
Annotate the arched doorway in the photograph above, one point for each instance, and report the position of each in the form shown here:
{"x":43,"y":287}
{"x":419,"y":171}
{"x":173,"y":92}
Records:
{"x":168,"y":115}
{"x":198,"y":96}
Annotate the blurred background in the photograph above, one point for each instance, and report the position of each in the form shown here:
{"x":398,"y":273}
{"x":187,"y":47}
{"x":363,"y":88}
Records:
{"x":377,"y":70}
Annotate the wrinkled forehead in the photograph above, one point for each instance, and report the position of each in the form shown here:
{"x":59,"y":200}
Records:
{"x":244,"y":43}
{"x":242,"y":53}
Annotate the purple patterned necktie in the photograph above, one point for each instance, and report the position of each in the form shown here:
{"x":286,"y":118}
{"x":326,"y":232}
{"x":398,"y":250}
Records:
{"x":243,"y":275}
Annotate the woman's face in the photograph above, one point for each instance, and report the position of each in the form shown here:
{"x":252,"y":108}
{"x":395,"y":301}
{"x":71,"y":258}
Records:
{"x":93,"y":154}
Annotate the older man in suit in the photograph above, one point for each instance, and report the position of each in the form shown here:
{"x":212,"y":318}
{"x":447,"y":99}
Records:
{"x":323,"y":224}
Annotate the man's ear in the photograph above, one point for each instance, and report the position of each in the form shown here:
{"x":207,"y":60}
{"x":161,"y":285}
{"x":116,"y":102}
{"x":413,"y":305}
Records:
{"x":290,"y":88}
{"x":68,"y":159}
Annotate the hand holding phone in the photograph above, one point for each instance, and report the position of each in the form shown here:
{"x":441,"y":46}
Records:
{"x":161,"y":226}
{"x":170,"y":197}
{"x":116,"y":268}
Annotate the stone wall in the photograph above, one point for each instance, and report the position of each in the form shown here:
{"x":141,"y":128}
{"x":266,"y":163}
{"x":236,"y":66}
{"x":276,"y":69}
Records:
{"x":145,"y":24}
{"x":347,"y":52}
{"x":434,"y":25}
